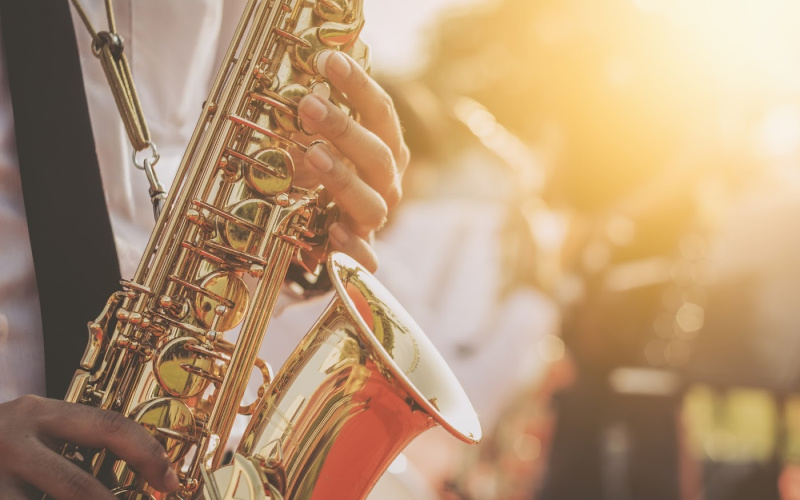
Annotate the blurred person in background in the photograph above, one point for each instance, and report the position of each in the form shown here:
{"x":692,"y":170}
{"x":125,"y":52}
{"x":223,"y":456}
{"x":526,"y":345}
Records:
{"x":643,"y":112}
{"x":579,"y":86}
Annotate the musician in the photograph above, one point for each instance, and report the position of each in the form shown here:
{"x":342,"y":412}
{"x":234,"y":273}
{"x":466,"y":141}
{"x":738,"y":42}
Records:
{"x":174,"y":52}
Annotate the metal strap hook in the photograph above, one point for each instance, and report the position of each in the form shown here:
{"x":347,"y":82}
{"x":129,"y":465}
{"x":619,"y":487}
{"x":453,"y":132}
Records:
{"x":157,"y":193}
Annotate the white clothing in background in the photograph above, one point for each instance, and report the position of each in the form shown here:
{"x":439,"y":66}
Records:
{"x":174,"y":52}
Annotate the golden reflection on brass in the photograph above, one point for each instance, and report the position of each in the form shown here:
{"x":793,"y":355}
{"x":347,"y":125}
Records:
{"x":170,"y":368}
{"x":294,"y":93}
{"x":332,"y":10}
{"x":241,"y":238}
{"x":167,"y":414}
{"x":343,"y":406}
{"x":303,"y":55}
{"x":281,"y":166}
{"x":229,"y":286}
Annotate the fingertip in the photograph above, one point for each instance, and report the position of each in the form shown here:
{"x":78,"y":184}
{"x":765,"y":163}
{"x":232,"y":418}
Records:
{"x":343,"y":240}
{"x":333,"y":63}
{"x":319,"y":158}
{"x":339,"y":235}
{"x":321,"y":62}
{"x":171,"y":481}
{"x":312,"y":107}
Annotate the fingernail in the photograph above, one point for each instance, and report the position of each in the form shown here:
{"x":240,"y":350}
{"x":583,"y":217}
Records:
{"x":338,"y":65}
{"x":312,"y":108}
{"x":322,"y":62}
{"x":321,"y":89}
{"x":319,"y":158}
{"x":338,"y":234}
{"x":171,"y":480}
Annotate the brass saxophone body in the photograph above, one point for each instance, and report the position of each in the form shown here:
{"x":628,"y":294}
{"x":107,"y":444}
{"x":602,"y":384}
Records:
{"x":175,"y":348}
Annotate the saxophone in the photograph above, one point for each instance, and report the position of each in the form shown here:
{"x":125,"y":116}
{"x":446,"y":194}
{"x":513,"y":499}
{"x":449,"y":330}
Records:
{"x":174,"y":349}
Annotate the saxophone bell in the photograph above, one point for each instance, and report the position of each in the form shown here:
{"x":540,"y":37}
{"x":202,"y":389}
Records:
{"x":362,"y":384}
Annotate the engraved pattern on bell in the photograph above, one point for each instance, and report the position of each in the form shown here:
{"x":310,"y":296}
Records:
{"x":390,"y":332}
{"x":293,"y":92}
{"x":239,"y":237}
{"x":170,"y":369}
{"x":274,"y":183}
{"x":173,"y":416}
{"x":229,"y":286}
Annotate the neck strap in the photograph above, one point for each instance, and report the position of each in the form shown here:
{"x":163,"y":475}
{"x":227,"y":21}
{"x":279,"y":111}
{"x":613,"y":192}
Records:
{"x":71,"y":239}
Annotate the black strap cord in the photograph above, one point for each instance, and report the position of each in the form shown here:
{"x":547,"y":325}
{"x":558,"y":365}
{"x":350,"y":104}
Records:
{"x":73,"y":246}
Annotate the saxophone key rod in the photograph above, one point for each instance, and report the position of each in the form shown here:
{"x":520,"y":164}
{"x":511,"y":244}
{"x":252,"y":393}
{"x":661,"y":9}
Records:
{"x":229,"y":217}
{"x":242,"y":256}
{"x":292,"y":37}
{"x":255,"y":163}
{"x":203,"y":253}
{"x":276,"y":101}
{"x":267,"y":132}
{"x":196,"y":288}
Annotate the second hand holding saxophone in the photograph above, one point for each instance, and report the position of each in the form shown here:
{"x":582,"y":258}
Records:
{"x":362,"y":383}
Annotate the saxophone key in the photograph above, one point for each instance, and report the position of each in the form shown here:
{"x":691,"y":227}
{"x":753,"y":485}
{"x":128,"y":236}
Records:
{"x":242,"y":238}
{"x":221,"y":288}
{"x":288,"y":120}
{"x":171,"y":422}
{"x":182,"y":370}
{"x":332,"y":10}
{"x":269,"y":171}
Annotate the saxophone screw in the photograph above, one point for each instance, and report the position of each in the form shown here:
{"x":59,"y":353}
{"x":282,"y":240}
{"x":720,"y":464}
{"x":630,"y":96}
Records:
{"x":123,"y":315}
{"x":165,"y":301}
{"x":283,"y":200}
{"x":190,"y":485}
{"x":256,"y":271}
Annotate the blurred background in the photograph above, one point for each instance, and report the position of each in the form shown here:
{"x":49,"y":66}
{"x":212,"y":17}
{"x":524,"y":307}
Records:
{"x":600,"y":233}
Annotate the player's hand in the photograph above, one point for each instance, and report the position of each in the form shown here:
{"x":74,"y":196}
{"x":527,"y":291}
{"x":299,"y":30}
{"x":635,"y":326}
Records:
{"x":361,"y":162}
{"x":32,"y":428}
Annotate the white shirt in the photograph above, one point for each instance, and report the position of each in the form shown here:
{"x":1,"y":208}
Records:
{"x":443,"y":260}
{"x":174,"y":50}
